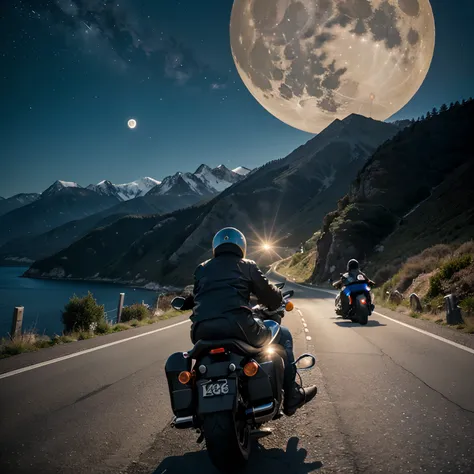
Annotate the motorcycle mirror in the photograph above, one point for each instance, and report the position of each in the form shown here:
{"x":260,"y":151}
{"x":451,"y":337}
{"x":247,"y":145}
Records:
{"x":305,"y":362}
{"x":280,"y":285}
{"x":288,"y":294}
{"x":178,"y":302}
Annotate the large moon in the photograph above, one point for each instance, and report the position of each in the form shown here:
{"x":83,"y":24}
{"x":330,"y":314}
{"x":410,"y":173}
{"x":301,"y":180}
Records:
{"x":132,"y":123}
{"x":309,"y":62}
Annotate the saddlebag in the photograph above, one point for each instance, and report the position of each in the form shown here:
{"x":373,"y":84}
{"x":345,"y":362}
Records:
{"x":267,"y":384}
{"x":181,"y":396}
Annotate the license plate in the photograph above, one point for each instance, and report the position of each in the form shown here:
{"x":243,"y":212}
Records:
{"x":215,"y":389}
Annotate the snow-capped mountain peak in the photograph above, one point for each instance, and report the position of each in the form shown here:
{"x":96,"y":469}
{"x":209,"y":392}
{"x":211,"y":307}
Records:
{"x":241,"y":170}
{"x":205,"y":181}
{"x":125,"y":191}
{"x":58,"y":186}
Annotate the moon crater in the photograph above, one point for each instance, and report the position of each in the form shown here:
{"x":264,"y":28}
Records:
{"x":309,"y":62}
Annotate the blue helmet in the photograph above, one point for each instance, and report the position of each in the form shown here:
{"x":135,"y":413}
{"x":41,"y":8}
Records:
{"x":229,"y":239}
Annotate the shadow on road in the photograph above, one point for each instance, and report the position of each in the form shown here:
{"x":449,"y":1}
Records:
{"x":349,"y":324}
{"x":261,"y":460}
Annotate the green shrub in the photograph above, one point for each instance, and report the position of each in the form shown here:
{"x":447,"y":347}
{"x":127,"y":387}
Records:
{"x":446,"y":272}
{"x":467,"y":305}
{"x":455,"y":265}
{"x":136,"y":311}
{"x":103,"y":327}
{"x":80,"y":314}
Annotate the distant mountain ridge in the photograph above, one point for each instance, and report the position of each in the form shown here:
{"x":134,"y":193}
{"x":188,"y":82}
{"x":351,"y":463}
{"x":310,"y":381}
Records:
{"x":14,"y":202}
{"x":281,"y":201}
{"x":151,"y":197}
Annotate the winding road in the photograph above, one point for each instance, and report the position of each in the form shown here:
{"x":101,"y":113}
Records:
{"x":392,"y":399}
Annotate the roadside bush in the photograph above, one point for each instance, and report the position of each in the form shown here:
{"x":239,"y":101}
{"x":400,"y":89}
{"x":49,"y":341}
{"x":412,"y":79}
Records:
{"x":467,"y":248}
{"x":384,"y":273}
{"x":446,"y":272}
{"x":136,"y":311}
{"x":81,"y":313}
{"x":103,"y":327}
{"x":467,"y":305}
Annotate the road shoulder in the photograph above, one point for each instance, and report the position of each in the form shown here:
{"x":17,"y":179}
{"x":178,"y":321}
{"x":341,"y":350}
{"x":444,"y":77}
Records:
{"x":61,"y":350}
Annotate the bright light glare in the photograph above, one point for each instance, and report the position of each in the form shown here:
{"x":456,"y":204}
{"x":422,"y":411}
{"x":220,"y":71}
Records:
{"x":132,"y":123}
{"x":267,"y":246}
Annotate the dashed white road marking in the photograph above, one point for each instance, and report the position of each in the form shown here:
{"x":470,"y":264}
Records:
{"x":308,"y":338}
{"x":409,"y":326}
{"x":306,"y":330}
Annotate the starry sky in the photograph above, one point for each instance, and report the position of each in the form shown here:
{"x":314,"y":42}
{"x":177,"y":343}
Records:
{"x":72,"y":73}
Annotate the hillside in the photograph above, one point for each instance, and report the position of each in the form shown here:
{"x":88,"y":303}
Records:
{"x":56,"y":206}
{"x":15,"y":202}
{"x":416,"y":191}
{"x":41,"y":246}
{"x":279,"y":200}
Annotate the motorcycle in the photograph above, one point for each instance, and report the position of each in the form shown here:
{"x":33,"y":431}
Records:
{"x":359,"y":294}
{"x":227,"y":389}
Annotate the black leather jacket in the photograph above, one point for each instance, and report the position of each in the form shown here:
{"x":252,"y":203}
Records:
{"x":223,"y":285}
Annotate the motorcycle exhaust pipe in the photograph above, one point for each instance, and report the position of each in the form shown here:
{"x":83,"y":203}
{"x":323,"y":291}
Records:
{"x":183,"y":422}
{"x":261,"y":412}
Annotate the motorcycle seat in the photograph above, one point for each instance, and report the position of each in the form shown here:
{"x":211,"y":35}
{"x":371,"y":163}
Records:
{"x":237,"y":346}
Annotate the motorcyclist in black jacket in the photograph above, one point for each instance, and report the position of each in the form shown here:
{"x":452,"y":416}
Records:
{"x":221,"y":306}
{"x":352,"y":276}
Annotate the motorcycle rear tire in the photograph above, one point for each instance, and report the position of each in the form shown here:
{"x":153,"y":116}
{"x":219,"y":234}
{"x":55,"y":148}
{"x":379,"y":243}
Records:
{"x":228,"y":445}
{"x":363,"y":316}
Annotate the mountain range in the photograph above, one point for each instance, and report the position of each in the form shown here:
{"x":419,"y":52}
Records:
{"x":65,"y":211}
{"x":282,"y":201}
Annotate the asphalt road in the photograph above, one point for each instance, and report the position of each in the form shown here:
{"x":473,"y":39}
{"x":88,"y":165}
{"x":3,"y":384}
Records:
{"x":391,"y":400}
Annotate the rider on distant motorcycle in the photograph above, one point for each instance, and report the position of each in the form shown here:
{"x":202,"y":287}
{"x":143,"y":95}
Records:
{"x":221,"y":306}
{"x":352,"y":276}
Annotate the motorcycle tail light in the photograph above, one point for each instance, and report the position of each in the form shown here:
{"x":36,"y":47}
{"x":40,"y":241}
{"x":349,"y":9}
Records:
{"x":350,"y":299}
{"x":219,"y":350}
{"x":250,"y":369}
{"x":184,"y":377}
{"x":363,"y":301}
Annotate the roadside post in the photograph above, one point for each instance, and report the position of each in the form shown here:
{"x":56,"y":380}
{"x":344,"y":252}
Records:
{"x":453,"y":312}
{"x":17,"y":322}
{"x":120,"y":307}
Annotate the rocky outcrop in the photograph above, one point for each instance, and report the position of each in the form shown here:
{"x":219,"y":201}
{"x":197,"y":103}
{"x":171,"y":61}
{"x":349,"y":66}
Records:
{"x":415,"y":170}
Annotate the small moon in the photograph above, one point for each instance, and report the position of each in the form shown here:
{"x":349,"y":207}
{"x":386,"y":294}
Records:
{"x":310,"y":62}
{"x":132,"y":123}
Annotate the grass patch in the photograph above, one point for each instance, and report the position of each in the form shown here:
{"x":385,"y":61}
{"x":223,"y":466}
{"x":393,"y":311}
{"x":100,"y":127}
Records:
{"x":299,"y":267}
{"x":415,"y":315}
{"x":31,"y":342}
{"x":120,"y":327}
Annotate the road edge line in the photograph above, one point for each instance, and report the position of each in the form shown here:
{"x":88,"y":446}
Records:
{"x":86,"y":351}
{"x":409,"y":326}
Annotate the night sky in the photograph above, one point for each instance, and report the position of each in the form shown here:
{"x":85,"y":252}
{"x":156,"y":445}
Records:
{"x":73,"y":73}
